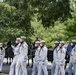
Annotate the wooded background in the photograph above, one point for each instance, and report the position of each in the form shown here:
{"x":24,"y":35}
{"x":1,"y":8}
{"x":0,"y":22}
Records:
{"x":48,"y":19}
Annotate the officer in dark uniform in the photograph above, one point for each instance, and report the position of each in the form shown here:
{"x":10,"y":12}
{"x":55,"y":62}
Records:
{"x":8,"y":51}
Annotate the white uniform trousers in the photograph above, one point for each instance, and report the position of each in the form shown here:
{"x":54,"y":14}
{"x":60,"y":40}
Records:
{"x":42,"y":68}
{"x":70,"y":68}
{"x":53,"y":68}
{"x":59,"y":70}
{"x":74,"y":68}
{"x":13,"y":66}
{"x":21,"y":66}
{"x":35,"y":68}
{"x":1,"y":63}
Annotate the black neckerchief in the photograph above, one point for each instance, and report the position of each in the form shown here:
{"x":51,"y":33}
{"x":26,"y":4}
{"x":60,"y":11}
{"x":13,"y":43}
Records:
{"x":41,"y":48}
{"x":16,"y":44}
{"x":73,"y":47}
{"x":1,"y":48}
{"x":36,"y":47}
{"x":21,"y":44}
{"x":60,"y":49}
{"x":55,"y":48}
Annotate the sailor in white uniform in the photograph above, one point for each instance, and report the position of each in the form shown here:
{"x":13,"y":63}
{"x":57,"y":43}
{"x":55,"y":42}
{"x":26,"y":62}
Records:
{"x":16,"y":55}
{"x":42,"y":67}
{"x":36,"y":58}
{"x":56,"y":48}
{"x":60,"y":62}
{"x":74,"y":60}
{"x":21,"y":62}
{"x":71,"y":58}
{"x":2,"y":55}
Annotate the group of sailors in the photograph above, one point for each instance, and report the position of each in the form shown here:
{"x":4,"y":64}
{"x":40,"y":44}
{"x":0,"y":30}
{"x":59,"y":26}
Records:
{"x":58,"y":65}
{"x":18,"y":66}
{"x":40,"y":61}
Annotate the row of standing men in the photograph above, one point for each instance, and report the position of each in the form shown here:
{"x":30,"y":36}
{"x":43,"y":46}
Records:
{"x":18,"y":66}
{"x":58,"y":65}
{"x":40,"y":59}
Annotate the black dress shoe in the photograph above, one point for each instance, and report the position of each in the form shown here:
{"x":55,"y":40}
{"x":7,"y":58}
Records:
{"x":7,"y":63}
{"x":10,"y":63}
{"x":27,"y":64}
{"x":0,"y":72}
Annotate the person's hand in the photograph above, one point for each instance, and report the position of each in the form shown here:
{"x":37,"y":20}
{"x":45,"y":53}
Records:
{"x":75,"y":62}
{"x":61,"y":63}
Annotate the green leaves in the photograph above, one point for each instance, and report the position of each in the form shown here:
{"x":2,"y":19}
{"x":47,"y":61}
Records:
{"x":14,"y":22}
{"x":49,"y":19}
{"x":50,"y":34}
{"x":51,"y":10}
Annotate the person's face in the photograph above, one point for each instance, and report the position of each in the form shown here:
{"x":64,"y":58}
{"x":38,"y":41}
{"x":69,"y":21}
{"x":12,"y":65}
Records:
{"x":61,"y":44}
{"x":22,"y":39}
{"x":36,"y":38}
{"x":17,"y":41}
{"x":37,"y":44}
{"x":56,"y":44}
{"x":42,"y":43}
{"x":73,"y":43}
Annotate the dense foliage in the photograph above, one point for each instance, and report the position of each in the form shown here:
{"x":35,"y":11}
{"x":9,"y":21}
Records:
{"x":14,"y":22}
{"x":48,"y":19}
{"x":50,"y":11}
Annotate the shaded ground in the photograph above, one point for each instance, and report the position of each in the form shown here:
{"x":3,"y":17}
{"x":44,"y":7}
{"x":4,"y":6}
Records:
{"x":6,"y":69}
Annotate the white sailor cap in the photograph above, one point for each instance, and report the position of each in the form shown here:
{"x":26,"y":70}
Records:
{"x":74,"y":41}
{"x":42,"y":41}
{"x":62,"y":42}
{"x":56,"y":42}
{"x":18,"y":39}
{"x":37,"y":42}
{"x":23,"y":37}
